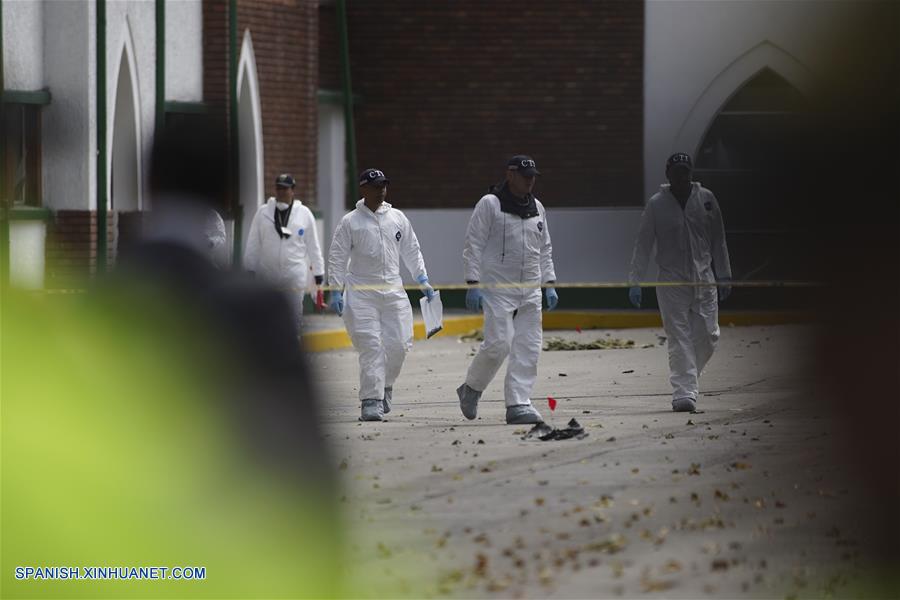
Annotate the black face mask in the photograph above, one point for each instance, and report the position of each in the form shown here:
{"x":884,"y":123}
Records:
{"x":281,"y":219}
{"x":524,"y":208}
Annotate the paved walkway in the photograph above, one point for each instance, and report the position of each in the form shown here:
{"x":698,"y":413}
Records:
{"x":740,"y":500}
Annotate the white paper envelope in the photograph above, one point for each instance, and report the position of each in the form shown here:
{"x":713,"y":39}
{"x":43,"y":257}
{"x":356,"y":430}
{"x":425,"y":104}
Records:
{"x":433,"y":314}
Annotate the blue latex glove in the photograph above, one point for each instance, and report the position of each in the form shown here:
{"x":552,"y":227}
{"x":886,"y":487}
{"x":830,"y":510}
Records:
{"x":426,"y":289}
{"x":552,"y":298}
{"x":634,"y":295}
{"x":724,"y":290}
{"x":336,"y":302}
{"x":474,"y":299}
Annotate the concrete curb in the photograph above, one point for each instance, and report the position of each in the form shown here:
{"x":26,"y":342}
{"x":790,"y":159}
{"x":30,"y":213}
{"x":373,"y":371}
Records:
{"x":337,"y":339}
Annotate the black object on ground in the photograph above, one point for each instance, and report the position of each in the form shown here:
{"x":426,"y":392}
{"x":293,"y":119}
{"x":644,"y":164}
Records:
{"x":545,"y":433}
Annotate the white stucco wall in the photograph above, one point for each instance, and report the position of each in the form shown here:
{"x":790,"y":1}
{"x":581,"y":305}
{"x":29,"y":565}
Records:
{"x":26,"y":255}
{"x":36,"y":55}
{"x":23,"y":56}
{"x":69,"y":121}
{"x":588,"y":244}
{"x":698,"y":53}
{"x":184,"y":50}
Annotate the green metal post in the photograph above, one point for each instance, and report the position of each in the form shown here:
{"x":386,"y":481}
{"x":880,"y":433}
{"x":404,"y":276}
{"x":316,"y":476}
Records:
{"x":234,"y":149}
{"x":350,"y":133}
{"x":102,"y":192}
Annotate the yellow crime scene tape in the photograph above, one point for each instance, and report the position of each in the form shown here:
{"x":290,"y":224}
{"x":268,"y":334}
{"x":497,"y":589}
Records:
{"x":511,"y":286}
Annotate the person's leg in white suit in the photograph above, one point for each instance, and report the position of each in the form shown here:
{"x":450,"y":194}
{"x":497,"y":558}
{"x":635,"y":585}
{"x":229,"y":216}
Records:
{"x":362,"y":316}
{"x":675,"y":309}
{"x":705,"y":327}
{"x":397,"y":337}
{"x":524,"y":352}
{"x":498,"y":330}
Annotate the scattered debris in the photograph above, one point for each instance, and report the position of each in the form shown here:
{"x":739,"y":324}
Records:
{"x":476,"y":335}
{"x":554,"y":343}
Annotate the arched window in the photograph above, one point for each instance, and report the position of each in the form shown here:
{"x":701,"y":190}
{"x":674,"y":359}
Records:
{"x":751,"y":157}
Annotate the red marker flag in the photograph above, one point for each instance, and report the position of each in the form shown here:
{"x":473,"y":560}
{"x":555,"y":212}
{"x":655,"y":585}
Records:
{"x":552,"y":402}
{"x":578,"y":329}
{"x":320,"y":300}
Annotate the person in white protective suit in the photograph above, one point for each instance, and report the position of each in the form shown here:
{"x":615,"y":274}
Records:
{"x":368,"y":246}
{"x":284,"y":244}
{"x":508,"y":242}
{"x":683,"y":219}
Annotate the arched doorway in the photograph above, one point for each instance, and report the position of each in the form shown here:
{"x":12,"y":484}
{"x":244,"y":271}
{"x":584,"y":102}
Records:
{"x":125,"y":166}
{"x":250,"y":135}
{"x":751,"y":157}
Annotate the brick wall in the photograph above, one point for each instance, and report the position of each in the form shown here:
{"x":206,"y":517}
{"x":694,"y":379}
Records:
{"x":285,"y":42}
{"x":71,"y":247}
{"x":450,"y":89}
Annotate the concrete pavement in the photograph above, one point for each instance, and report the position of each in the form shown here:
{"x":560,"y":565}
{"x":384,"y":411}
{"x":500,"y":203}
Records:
{"x":739,"y":500}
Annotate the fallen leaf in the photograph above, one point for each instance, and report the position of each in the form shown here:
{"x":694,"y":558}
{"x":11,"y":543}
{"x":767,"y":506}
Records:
{"x":671,"y":566}
{"x":481,"y":565}
{"x":615,"y":543}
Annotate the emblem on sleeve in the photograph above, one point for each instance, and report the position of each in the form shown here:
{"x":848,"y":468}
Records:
{"x":398,"y":236}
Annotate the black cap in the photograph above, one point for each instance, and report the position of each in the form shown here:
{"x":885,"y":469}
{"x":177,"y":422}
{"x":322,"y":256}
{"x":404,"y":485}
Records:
{"x":679,"y":159}
{"x":373,"y":176}
{"x":523,"y":164}
{"x":285,"y":180}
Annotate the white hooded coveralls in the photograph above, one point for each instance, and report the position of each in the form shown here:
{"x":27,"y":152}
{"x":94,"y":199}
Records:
{"x":505,"y":248}
{"x":379,"y":321}
{"x":285,"y":262}
{"x":689,"y":243}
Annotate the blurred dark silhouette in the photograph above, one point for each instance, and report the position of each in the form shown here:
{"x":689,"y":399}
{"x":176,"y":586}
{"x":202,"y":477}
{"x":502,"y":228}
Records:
{"x":851,"y":201}
{"x":242,"y":332}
